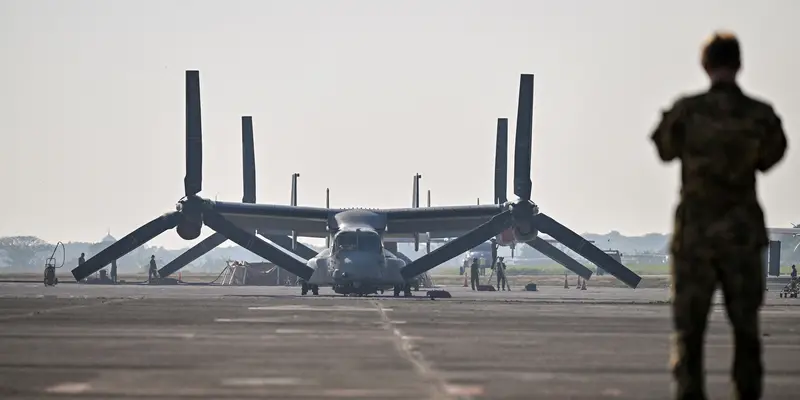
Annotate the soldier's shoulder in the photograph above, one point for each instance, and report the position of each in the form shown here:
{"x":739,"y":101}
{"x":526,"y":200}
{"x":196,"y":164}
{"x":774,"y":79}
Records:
{"x":759,"y":105}
{"x":686,"y":101}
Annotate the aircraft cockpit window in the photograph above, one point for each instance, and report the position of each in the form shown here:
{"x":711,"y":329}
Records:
{"x":362,"y":241}
{"x":347,"y":241}
{"x":369,"y":242}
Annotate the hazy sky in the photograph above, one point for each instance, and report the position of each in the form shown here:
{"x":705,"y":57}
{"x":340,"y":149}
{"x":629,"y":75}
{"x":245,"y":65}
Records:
{"x":360,"y":95}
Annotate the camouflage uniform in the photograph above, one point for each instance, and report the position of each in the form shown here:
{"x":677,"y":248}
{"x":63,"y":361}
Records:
{"x":500,"y":268}
{"x":722,"y":137}
{"x":474,"y":270}
{"x":152,"y":272}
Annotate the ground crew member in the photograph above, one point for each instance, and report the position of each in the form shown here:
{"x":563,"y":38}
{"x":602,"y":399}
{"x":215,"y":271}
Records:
{"x":722,"y":137}
{"x":114,"y":271}
{"x":153,"y":271}
{"x":474,"y":270}
{"x":500,"y":268}
{"x":81,"y":260}
{"x":794,"y":272}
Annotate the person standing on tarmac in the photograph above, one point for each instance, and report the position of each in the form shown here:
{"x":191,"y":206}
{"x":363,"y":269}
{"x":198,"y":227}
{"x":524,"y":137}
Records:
{"x":500,"y":270}
{"x":81,"y":259}
{"x":722,"y":138}
{"x":474,"y":270}
{"x":153,"y":271}
{"x":794,"y":272}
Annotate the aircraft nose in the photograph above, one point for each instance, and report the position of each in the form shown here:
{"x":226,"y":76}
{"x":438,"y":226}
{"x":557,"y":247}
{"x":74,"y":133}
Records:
{"x":357,"y":268}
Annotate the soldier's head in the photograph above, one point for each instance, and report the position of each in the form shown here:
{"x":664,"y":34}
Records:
{"x":721,"y":56}
{"x":81,"y":254}
{"x":152,"y":257}
{"x":500,"y":258}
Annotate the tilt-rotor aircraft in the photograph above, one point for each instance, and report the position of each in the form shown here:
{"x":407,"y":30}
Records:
{"x":287,"y":243}
{"x":356,"y":261}
{"x":249,"y":196}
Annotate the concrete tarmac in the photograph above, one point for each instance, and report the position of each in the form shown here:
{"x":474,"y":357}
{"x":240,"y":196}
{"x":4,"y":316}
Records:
{"x":195,"y":342}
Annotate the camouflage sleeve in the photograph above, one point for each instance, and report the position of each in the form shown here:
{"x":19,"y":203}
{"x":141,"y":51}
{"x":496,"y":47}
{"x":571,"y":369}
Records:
{"x":773,"y":146}
{"x":669,"y":135}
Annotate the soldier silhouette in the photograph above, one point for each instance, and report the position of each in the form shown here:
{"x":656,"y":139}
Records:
{"x":722,"y":137}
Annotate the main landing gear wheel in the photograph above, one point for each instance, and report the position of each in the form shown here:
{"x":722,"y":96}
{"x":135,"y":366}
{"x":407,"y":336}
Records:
{"x":304,"y":287}
{"x":406,"y":289}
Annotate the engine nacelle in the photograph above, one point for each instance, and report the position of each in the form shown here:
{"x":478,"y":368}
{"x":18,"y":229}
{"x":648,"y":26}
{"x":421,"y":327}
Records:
{"x":523,"y":214}
{"x":189,"y":230}
{"x":191,"y":223}
{"x":506,"y":238}
{"x":523,"y":237}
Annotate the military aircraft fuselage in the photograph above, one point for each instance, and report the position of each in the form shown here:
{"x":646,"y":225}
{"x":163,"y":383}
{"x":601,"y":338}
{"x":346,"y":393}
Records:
{"x":356,"y":261}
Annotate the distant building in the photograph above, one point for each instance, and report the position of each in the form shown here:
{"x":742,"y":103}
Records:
{"x":106,"y":241}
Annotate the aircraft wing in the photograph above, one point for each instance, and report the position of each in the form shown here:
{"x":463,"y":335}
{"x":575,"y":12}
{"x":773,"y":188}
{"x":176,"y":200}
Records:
{"x":274,"y":219}
{"x":401,"y":223}
{"x":438,"y":222}
{"x":409,"y":238}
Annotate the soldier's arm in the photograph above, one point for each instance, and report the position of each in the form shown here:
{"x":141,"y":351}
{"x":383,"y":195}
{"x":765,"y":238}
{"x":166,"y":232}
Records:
{"x":669,"y":135}
{"x":773,"y":146}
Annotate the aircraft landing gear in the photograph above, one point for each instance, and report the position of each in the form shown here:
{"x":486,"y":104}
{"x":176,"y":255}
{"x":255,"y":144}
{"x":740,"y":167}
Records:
{"x":304,"y":287}
{"x":406,"y":289}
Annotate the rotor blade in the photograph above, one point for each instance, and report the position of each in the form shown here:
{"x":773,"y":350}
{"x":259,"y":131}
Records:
{"x":293,"y":201}
{"x":576,"y":243}
{"x":286,"y":242}
{"x":544,"y":247}
{"x":415,"y":204}
{"x":250,"y":242}
{"x":428,"y":234}
{"x":248,"y":161}
{"x":501,"y":162}
{"x":125,"y":245}
{"x":193,"y":181}
{"x":522,"y":145}
{"x":327,"y":205}
{"x":416,"y":190}
{"x":197,"y":251}
{"x":453,"y":248}
{"x":293,"y":198}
